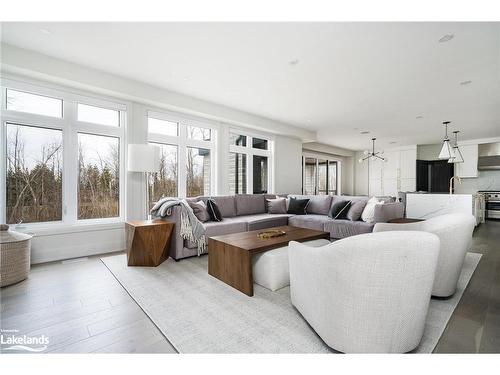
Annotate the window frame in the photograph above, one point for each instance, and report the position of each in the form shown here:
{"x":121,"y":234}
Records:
{"x":182,"y":141}
{"x":328,"y":159}
{"x":70,"y":127}
{"x":249,"y":151}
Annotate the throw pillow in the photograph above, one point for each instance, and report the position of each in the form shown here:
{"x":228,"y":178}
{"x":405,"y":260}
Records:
{"x":297,"y":206}
{"x":276,"y":206}
{"x":336,"y":207}
{"x":356,"y":210}
{"x":213,"y":210}
{"x":339,"y":210}
{"x":200,"y":210}
{"x":368,"y":214}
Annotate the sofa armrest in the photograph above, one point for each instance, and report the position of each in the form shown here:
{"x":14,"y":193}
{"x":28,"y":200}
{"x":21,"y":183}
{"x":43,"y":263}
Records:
{"x":176,"y":241}
{"x":388,"y":211}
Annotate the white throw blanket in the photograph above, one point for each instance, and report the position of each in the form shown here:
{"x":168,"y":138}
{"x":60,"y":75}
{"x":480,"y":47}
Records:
{"x":191,"y":228}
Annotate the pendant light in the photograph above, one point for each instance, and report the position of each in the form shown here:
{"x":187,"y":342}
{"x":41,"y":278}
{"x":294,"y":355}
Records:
{"x":372,"y":154}
{"x":456,"y":154}
{"x":446,"y":148}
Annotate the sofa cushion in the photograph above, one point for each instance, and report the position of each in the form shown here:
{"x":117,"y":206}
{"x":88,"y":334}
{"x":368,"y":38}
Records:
{"x":276,"y":206}
{"x":368,"y":214}
{"x":339,"y":209}
{"x":219,"y":228}
{"x":356,"y":210}
{"x":213,"y":211}
{"x":249,"y":204}
{"x":297,"y":206}
{"x":309,"y":221}
{"x":347,"y":228}
{"x":318,"y":204}
{"x":200,"y":210}
{"x":225,"y":203}
{"x":263,"y":221}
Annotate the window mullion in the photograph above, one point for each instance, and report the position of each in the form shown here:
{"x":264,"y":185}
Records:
{"x":70,"y":165}
{"x":181,"y":173}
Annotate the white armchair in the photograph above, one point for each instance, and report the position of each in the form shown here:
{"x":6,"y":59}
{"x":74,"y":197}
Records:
{"x":455,"y":233}
{"x":368,"y":293}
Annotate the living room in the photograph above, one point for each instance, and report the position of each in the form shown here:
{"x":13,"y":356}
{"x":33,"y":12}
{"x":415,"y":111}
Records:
{"x":250,"y":187}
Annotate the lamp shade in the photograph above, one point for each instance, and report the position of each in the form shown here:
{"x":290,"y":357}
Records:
{"x":143,"y":158}
{"x":445,"y":150}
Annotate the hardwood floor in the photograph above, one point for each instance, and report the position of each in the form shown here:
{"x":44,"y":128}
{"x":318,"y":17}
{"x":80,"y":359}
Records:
{"x":82,"y":308}
{"x":475,"y":324}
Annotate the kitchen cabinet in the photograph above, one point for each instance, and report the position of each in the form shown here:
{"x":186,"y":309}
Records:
{"x":468,"y":169}
{"x":398,"y":173}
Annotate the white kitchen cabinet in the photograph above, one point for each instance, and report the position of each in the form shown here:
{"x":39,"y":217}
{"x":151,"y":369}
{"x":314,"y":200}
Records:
{"x":468,"y":169}
{"x":398,"y":173}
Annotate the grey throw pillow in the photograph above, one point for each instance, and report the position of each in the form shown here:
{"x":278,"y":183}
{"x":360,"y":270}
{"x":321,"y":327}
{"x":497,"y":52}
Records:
{"x":200,"y":210}
{"x":276,"y":206}
{"x":356,"y":210}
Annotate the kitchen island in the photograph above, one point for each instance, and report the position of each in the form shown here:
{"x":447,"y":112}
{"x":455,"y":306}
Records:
{"x":427,"y":205}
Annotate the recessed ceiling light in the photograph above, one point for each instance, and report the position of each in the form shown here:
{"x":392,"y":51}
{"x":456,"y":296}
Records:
{"x":45,"y":31}
{"x":365,"y":132}
{"x":419,"y":117}
{"x":446,"y":38}
{"x":293,"y":62}
{"x":463,"y":83}
{"x":308,"y":120}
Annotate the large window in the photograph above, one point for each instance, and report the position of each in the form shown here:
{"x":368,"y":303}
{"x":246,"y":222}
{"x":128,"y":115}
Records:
{"x":253,"y":176}
{"x":62,"y":161}
{"x":186,"y":158}
{"x":34,"y":174}
{"x":98,"y":176}
{"x":164,"y":182}
{"x":319,"y":176}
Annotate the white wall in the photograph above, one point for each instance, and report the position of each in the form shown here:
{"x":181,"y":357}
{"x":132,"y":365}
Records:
{"x":360,"y":175}
{"x":288,"y":165}
{"x":50,"y":245}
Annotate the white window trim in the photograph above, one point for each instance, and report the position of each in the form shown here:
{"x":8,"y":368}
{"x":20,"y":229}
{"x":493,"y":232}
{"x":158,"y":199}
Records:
{"x":182,"y":142}
{"x":70,"y":127}
{"x":249,"y":151}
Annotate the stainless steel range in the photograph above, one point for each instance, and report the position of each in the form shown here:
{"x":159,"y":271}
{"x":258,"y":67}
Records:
{"x":492,"y":199}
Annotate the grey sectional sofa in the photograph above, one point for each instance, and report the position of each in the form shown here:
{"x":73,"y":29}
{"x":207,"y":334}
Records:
{"x":248,"y":212}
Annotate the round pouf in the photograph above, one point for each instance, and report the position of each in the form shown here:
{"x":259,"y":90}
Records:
{"x":15,"y":249}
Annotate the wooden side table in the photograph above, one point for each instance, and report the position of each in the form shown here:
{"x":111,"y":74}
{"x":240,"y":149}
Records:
{"x":148,"y":242}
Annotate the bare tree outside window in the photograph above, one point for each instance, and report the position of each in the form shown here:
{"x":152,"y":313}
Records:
{"x":98,"y":176}
{"x":197,"y":171}
{"x":164,"y":182}
{"x":34,"y":174}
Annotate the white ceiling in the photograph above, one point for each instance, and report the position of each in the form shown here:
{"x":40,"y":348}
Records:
{"x":349,"y":77}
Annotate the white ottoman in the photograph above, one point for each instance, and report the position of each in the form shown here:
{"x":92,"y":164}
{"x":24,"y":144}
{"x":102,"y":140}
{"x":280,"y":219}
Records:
{"x":271,"y":269}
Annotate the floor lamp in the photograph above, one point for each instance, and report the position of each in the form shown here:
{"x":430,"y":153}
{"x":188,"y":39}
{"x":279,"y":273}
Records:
{"x":145,"y":159}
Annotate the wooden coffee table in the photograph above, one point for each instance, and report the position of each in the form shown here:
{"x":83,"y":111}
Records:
{"x":230,"y":255}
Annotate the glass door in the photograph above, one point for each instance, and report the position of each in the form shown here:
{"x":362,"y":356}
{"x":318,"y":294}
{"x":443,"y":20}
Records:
{"x":319,"y":176}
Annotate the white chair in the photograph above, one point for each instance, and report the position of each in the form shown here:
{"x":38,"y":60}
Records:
{"x":455,"y":233}
{"x":368,"y":293}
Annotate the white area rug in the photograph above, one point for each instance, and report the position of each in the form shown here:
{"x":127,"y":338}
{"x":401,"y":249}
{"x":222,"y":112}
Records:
{"x":200,"y":314}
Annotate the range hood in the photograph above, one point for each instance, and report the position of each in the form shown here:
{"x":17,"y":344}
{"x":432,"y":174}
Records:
{"x":489,"y":156}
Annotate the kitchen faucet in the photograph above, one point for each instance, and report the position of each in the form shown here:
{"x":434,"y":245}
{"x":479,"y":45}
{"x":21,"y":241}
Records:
{"x":451,"y":183}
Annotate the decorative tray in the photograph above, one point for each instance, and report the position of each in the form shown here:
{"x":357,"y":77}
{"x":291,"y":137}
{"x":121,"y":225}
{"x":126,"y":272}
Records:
{"x":271,"y":234}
